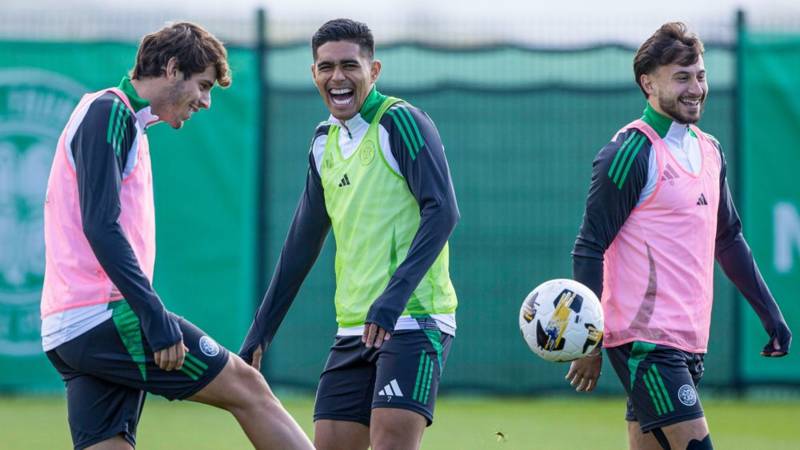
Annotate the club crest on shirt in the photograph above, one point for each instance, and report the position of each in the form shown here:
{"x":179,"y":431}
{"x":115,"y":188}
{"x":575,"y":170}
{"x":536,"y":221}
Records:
{"x":208,"y":346}
{"x":34,"y":106}
{"x":367,"y":153}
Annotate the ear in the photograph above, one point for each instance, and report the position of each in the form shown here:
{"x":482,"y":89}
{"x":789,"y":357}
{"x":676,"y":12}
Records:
{"x":172,"y":68}
{"x":375,"y":70}
{"x":648,"y":83}
{"x":314,"y":71}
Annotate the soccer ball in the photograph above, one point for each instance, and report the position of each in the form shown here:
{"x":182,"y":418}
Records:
{"x":561,"y":320}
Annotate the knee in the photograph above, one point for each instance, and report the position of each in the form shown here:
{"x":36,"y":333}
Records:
{"x":388,"y":438}
{"x":394,"y":429}
{"x":394,"y":437}
{"x":250,"y":390}
{"x":704,"y":444}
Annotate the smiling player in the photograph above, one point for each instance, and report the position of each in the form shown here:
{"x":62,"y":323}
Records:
{"x":104,"y":328}
{"x":379,"y":177}
{"x":658,"y":213}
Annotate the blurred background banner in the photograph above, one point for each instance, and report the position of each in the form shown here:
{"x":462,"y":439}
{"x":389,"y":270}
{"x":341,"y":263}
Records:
{"x":770,"y":165}
{"x":34,"y":104}
{"x":521,"y":124}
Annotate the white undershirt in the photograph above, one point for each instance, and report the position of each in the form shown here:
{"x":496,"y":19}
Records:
{"x":350,"y":136}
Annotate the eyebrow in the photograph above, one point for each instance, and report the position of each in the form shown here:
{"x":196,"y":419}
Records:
{"x":688,"y":72}
{"x":344,"y":61}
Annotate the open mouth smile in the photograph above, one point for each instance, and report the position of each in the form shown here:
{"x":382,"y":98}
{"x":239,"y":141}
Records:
{"x":691,"y":102}
{"x":341,"y":96}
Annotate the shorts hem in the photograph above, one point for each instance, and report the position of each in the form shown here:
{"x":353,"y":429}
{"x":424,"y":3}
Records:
{"x":408,"y":407}
{"x":686,"y":348}
{"x":106,"y":436}
{"x":670,"y":421}
{"x":341,"y":417}
{"x":197,"y":387}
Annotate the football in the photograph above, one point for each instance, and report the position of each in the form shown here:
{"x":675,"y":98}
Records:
{"x":561,"y":320}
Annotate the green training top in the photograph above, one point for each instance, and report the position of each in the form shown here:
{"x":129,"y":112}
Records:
{"x":375,"y":218}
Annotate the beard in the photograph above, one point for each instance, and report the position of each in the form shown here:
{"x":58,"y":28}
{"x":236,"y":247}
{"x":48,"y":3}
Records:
{"x":671,"y":106}
{"x":173,"y":103}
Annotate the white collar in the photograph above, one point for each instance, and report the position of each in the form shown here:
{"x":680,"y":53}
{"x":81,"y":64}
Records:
{"x":677,"y":132}
{"x":354,"y":125}
{"x":146,"y":118}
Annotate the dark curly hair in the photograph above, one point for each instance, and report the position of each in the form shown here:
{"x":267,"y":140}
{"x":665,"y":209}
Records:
{"x":673,"y":43}
{"x":194,"y":48}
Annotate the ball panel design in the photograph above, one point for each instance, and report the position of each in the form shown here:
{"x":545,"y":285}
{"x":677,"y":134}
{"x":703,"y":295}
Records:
{"x":561,"y":320}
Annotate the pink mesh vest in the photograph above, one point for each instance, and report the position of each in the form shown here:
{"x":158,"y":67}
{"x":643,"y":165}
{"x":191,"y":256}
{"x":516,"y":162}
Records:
{"x":659,"y":271}
{"x":73,"y":276}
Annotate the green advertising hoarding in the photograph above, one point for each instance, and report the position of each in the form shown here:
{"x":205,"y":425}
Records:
{"x":204,"y":192}
{"x":771,"y":201}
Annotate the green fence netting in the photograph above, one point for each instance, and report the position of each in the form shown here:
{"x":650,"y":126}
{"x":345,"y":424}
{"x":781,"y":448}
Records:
{"x":520,"y":127}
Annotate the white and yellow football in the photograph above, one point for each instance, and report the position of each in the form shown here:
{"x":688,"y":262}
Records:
{"x":561,"y":320}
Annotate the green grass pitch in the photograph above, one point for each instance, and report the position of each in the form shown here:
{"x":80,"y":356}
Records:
{"x":462,"y":423}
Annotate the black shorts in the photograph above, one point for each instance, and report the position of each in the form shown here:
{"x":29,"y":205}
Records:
{"x":661,"y":383}
{"x":404,"y":373}
{"x":108,"y":369}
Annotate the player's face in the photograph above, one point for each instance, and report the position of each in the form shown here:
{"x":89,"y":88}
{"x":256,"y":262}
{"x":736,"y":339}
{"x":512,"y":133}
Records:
{"x":344,"y":76}
{"x":185,"y":97}
{"x":678,"y":91}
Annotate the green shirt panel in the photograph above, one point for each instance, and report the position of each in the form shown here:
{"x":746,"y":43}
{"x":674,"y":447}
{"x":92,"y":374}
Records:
{"x":374,"y":218}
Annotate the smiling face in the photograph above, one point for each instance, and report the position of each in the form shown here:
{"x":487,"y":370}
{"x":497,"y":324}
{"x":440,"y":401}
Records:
{"x":181,"y":98}
{"x":344,"y":76}
{"x":678,"y":91}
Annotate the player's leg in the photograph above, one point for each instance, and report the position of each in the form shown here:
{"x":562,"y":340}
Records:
{"x":212,"y":375}
{"x":691,"y":434}
{"x":661,"y":383}
{"x":344,"y":397}
{"x":124,"y":358}
{"x":340,"y":435}
{"x":115,"y":443}
{"x":394,"y":428}
{"x":620,"y":358}
{"x":242,"y":391}
{"x":409,"y":368}
{"x":637,"y":440}
{"x":641,"y":441}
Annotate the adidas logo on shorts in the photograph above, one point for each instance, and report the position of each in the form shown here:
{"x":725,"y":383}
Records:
{"x":391,"y":389}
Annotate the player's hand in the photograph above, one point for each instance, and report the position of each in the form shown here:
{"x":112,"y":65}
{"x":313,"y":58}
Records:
{"x":779,"y":342}
{"x":171,"y":358}
{"x":584,"y":373}
{"x":374,"y":336}
{"x":257,"y":354}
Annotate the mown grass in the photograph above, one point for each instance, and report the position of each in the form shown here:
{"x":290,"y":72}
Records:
{"x":462,"y":423}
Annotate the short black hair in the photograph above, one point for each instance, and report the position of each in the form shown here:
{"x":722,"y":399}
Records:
{"x":673,"y":43}
{"x":344,"y":30}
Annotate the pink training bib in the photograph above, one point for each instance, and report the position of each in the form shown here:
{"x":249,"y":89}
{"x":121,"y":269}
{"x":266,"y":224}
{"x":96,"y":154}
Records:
{"x":73,"y":276}
{"x":659,"y":270}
